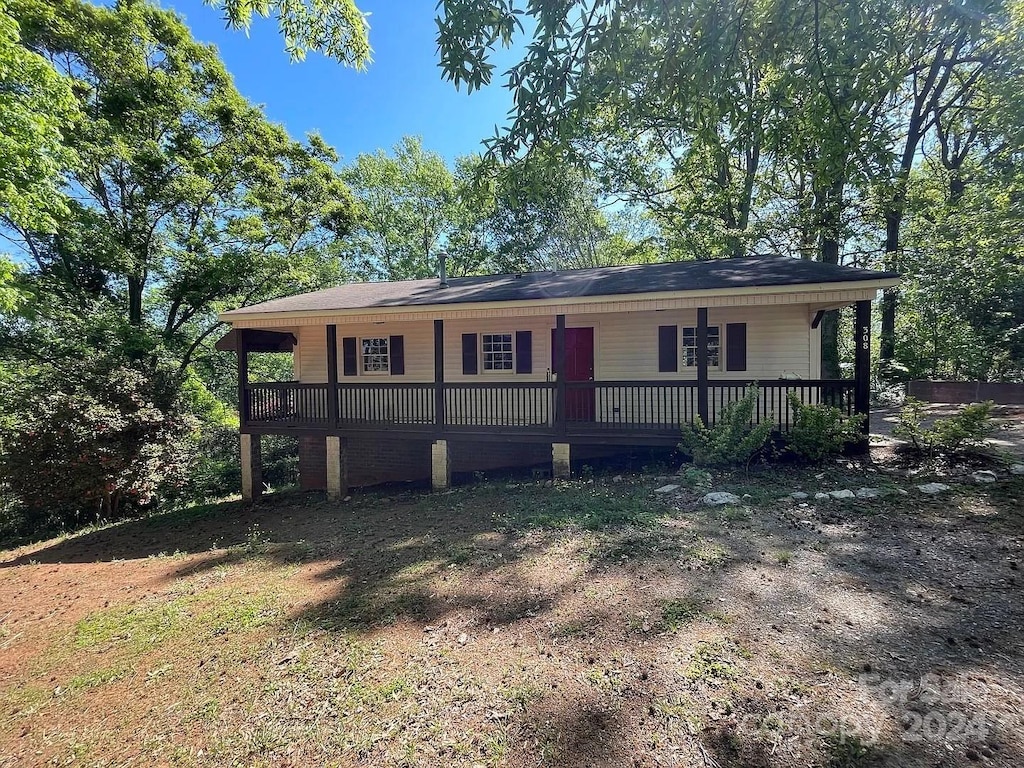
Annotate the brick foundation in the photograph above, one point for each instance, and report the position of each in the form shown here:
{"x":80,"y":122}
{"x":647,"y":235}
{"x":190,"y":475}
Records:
{"x":372,"y":460}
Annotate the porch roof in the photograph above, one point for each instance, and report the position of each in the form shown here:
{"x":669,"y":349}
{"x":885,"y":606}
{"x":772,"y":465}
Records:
{"x":706,"y":275}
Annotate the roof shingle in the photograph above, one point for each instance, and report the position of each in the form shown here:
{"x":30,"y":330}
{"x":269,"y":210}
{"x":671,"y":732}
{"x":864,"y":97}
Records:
{"x":711,"y":274}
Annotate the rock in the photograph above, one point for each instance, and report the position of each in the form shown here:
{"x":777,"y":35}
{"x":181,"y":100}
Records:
{"x":868,"y":493}
{"x":618,"y":479}
{"x":747,"y":496}
{"x":846,"y":493}
{"x":1017,"y":469}
{"x":463,"y":638}
{"x":548,"y":483}
{"x":984,"y":476}
{"x":933,"y":488}
{"x":717,"y":498}
{"x":667,"y":488}
{"x":821,"y":496}
{"x":798,"y":495}
{"x":347,"y":498}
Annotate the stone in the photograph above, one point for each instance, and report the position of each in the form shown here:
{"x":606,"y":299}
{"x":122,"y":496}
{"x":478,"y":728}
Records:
{"x":984,"y":476}
{"x":846,"y":493}
{"x":716,"y":498}
{"x":798,"y":495}
{"x":821,"y":496}
{"x":933,"y":488}
{"x":618,"y":479}
{"x":868,"y":493}
{"x":1017,"y":469}
{"x":667,"y":488}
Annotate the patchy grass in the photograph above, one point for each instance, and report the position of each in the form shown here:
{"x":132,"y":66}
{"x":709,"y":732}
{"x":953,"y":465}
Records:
{"x":513,"y":624}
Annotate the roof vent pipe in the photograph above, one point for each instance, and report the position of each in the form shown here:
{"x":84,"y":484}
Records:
{"x":442,"y":268}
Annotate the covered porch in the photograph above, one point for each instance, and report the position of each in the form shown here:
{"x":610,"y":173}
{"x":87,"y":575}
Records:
{"x":570,"y":407}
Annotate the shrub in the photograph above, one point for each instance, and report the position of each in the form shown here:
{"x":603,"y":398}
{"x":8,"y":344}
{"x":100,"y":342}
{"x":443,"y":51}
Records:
{"x":960,"y":433}
{"x":820,"y":431}
{"x":733,"y":440}
{"x":92,"y":442}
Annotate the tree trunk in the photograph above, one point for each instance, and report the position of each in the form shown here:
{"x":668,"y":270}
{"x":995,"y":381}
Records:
{"x":136,"y":284}
{"x":830,"y":322}
{"x":890,"y":298}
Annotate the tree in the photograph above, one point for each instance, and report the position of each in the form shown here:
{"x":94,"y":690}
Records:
{"x":412,"y":207}
{"x":36,"y":110}
{"x":186,"y":198}
{"x":182,"y":200}
{"x":336,"y":28}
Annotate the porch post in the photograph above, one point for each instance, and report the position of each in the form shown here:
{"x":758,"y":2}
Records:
{"x":862,"y":370}
{"x":242,"y":350}
{"x":337,"y":467}
{"x":702,"y":364}
{"x":560,"y":412}
{"x":332,"y":376}
{"x":439,"y":376}
{"x":440,"y":466}
{"x":252,"y":468}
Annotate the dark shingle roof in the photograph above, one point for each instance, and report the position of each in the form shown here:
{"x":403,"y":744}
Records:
{"x":749,"y":272}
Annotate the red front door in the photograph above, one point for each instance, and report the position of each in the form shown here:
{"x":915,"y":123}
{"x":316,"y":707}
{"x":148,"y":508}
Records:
{"x":579,"y":366}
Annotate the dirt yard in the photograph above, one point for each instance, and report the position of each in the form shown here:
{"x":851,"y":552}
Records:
{"x":592,"y":623}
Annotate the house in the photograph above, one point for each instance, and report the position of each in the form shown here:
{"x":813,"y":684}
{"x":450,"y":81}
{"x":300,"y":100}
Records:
{"x":412,"y":379}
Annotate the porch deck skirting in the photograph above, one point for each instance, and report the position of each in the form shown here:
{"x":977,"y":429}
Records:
{"x":599,"y":411}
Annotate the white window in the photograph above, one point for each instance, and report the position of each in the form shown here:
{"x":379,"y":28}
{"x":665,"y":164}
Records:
{"x":690,"y":347}
{"x":497,"y":351}
{"x":376,"y":357}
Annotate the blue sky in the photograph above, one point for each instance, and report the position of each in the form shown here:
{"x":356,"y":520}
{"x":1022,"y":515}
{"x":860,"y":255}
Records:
{"x":400,"y":94}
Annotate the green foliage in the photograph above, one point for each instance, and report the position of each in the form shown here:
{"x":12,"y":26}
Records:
{"x":734,"y":439}
{"x":964,"y":432}
{"x":336,"y":28}
{"x":820,"y":431}
{"x":36,"y":110}
{"x":92,"y":441}
{"x":410,"y":208}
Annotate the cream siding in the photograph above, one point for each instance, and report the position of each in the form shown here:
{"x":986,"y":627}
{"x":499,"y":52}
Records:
{"x":780,"y":345}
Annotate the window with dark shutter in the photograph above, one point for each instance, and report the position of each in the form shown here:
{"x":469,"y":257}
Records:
{"x":736,"y":347}
{"x":397,"y":355}
{"x":349,"y":355}
{"x":668,"y":351}
{"x":524,"y":351}
{"x":469,"y":354}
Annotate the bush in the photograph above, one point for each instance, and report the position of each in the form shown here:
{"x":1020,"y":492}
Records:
{"x":820,"y":431}
{"x":964,"y":432}
{"x":92,"y":443}
{"x":217,"y":469}
{"x":733,"y":440}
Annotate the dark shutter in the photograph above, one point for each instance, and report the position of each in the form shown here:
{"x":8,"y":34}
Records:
{"x":524,"y":351}
{"x":349,"y":355}
{"x":736,"y":347}
{"x":668,"y":348}
{"x":469,"y":363}
{"x":396,"y":349}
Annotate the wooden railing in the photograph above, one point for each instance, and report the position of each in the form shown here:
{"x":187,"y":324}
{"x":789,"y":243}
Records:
{"x":624,"y":408}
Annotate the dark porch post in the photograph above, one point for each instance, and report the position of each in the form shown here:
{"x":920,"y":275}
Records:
{"x":702,"y":364}
{"x":862,"y":370}
{"x":439,"y":376}
{"x":332,"y":376}
{"x":242,"y":350}
{"x":560,"y":412}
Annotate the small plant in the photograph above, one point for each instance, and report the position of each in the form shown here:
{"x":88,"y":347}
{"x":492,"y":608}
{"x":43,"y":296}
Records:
{"x":821,"y":431}
{"x":734,"y":439}
{"x":692,"y":477}
{"x":785,"y":557}
{"x":963,"y":432}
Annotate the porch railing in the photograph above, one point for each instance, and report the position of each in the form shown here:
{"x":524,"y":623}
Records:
{"x":589,"y":408}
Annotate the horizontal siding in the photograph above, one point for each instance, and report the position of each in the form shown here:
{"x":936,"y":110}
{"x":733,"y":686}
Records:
{"x":778,"y":343}
{"x":626,"y":345}
{"x":419,"y":351}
